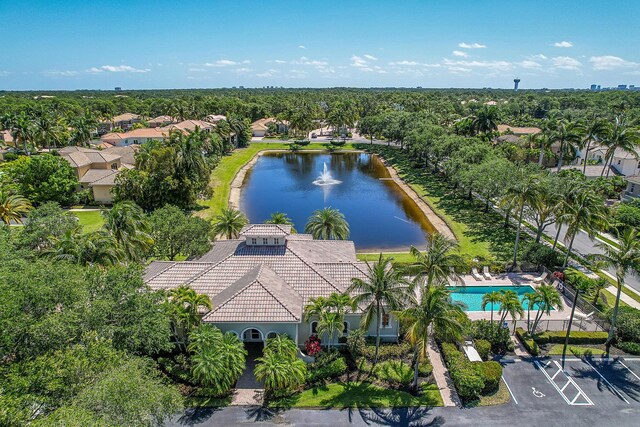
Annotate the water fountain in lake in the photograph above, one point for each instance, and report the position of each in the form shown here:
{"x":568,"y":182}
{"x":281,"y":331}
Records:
{"x":326,"y":178}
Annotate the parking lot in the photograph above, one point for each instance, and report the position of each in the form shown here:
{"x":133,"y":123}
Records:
{"x":605,"y":385}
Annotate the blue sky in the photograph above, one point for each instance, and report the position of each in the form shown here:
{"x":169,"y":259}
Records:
{"x":98,"y":44}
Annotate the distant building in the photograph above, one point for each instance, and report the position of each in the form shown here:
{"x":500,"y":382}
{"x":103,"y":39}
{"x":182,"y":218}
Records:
{"x":518,"y":131}
{"x":259,"y":127}
{"x":622,"y":87}
{"x":594,"y":87}
{"x":633,"y":186}
{"x":117,"y":89}
{"x":516,"y":82}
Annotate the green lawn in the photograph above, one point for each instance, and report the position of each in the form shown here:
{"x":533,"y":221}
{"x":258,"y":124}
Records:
{"x":398,"y":257}
{"x":578,"y":351}
{"x":223,"y":174}
{"x":89,"y":220}
{"x":478,"y":233}
{"x":360,"y":395}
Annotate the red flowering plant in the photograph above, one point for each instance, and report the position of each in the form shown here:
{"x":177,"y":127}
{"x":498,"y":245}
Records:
{"x":312,"y":345}
{"x":559,"y":275}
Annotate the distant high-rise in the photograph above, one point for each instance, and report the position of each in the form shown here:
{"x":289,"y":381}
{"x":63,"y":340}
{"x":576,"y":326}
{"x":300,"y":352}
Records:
{"x":516,"y":82}
{"x":594,"y":87}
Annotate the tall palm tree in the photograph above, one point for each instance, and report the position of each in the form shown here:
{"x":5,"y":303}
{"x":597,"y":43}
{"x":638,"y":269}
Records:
{"x":280,"y":218}
{"x":522,"y":192}
{"x":22,"y":130}
{"x":384,"y":288}
{"x":530,"y":299}
{"x":84,"y":127}
{"x":315,"y":307}
{"x":184,"y":305}
{"x":433,"y":312}
{"x":229,"y":223}
{"x":626,"y":260}
{"x":595,"y":130}
{"x":438,"y":262}
{"x":585,"y":211}
{"x":569,"y":135}
{"x":13,"y":207}
{"x":492,"y":298}
{"x":547,"y":298}
{"x":130,"y":227}
{"x":621,"y":136}
{"x":327,"y":224}
{"x":510,"y":305}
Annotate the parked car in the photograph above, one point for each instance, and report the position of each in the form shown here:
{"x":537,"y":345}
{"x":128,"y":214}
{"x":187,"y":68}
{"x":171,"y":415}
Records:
{"x":313,"y":135}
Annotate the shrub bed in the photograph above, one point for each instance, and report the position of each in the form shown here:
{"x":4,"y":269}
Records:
{"x":497,"y":335}
{"x":576,"y":337}
{"x":387,"y":351}
{"x":471,"y":379}
{"x":629,"y":347}
{"x":484,"y":348}
{"x":527,"y":341}
{"x":327,"y":365}
{"x":394,"y":372}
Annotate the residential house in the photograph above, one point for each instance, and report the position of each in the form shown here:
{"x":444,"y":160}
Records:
{"x":6,"y":138}
{"x":260,"y":127}
{"x":95,"y":169}
{"x":136,"y":136}
{"x":190,"y":126}
{"x":123,"y":121}
{"x":260,"y":282}
{"x":633,"y":186}
{"x":161,"y":121}
{"x":215,"y":118}
{"x":626,"y":163}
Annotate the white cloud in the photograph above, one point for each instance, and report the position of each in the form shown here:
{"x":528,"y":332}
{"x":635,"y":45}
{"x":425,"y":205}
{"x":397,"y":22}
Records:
{"x":370,"y":57}
{"x":197,"y":69}
{"x":269,"y":73}
{"x":538,"y":56}
{"x":221,"y":63}
{"x":460,"y":53}
{"x":528,"y":63}
{"x":565,"y":63}
{"x":66,"y":73}
{"x":459,"y":69}
{"x":496,"y":65}
{"x":609,"y":62}
{"x":472,"y":45}
{"x":279,"y":61}
{"x":302,"y":46}
{"x":117,"y":69}
{"x":242,"y":70}
{"x":563,"y":44}
{"x":4,"y":73}
{"x":404,"y":62}
{"x":358,"y":62}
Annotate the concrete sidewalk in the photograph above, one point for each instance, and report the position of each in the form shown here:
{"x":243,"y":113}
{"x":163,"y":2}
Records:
{"x":441,"y":375}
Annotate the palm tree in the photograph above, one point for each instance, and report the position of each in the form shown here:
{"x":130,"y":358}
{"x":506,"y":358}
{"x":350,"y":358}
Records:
{"x":595,"y":129}
{"x":184,"y":306}
{"x":229,"y":223}
{"x":209,"y":369}
{"x":621,"y":136}
{"x":283,"y":345}
{"x":84,"y":127}
{"x":438,"y":263}
{"x":315,"y":307}
{"x":280,"y":374}
{"x":204,"y":337}
{"x":128,"y":224}
{"x":510,"y":305}
{"x":569,"y":135}
{"x":434,"y":312}
{"x":522,"y":192}
{"x":486,"y":120}
{"x":547,"y":298}
{"x":22,"y":130}
{"x":492,"y":298}
{"x":585,"y":211}
{"x":331,"y":324}
{"x":280,"y":218}
{"x":327,"y":224}
{"x":13,"y":207}
{"x":530,"y":299}
{"x":383,"y":288}
{"x":626,"y":260}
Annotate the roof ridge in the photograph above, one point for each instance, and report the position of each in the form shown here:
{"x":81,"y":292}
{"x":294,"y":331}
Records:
{"x":275,"y":297}
{"x":311,"y":266}
{"x":172,"y":263}
{"x":213,"y":265}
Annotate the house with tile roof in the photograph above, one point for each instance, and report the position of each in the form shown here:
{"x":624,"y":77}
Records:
{"x":136,"y":136}
{"x":260,"y":282}
{"x":161,"y":121}
{"x":95,"y":169}
{"x":260,"y":127}
{"x":123,"y":121}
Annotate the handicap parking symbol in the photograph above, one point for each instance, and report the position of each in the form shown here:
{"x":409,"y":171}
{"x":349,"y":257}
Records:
{"x":537,"y":393}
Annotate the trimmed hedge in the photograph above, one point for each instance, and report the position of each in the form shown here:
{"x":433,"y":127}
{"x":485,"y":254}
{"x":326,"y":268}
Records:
{"x":528,"y":342}
{"x":484,"y":348}
{"x":576,"y":337}
{"x":629,"y":347}
{"x":387,"y":351}
{"x":471,"y":379}
{"x":496,"y":334}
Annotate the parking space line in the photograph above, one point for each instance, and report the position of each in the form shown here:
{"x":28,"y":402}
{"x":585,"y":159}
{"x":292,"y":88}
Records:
{"x":510,"y":392}
{"x":632,"y":373}
{"x":607,"y":381}
{"x":580,"y":392}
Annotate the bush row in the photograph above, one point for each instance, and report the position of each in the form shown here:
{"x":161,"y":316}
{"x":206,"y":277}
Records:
{"x":576,"y":337}
{"x":387,"y":351}
{"x":327,"y":365}
{"x":528,"y":342}
{"x":471,"y":379}
{"x":495,"y":333}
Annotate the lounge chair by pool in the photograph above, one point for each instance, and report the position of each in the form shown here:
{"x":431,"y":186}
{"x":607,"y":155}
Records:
{"x":474,"y":273}
{"x":485,"y":273}
{"x":541,"y":278}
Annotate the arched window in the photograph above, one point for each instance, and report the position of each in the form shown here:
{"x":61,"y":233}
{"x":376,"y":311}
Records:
{"x":271,"y":335}
{"x":314,"y":328}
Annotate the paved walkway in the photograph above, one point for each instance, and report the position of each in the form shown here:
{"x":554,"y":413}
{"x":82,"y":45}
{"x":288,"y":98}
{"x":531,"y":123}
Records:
{"x":624,"y":297}
{"x":441,"y":375}
{"x":518,"y":349}
{"x":248,"y":390}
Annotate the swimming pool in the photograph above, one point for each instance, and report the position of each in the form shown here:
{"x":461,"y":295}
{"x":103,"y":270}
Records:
{"x":471,"y":296}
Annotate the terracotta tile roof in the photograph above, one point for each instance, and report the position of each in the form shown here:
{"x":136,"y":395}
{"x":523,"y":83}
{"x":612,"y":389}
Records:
{"x":258,"y":296}
{"x":126,"y":117}
{"x":6,"y":136}
{"x":215,"y":118}
{"x":96,"y":175}
{"x":80,"y":156}
{"x":189,"y":126}
{"x":127,"y":153}
{"x":263,"y":124}
{"x":162,"y":120}
{"x":518,"y":130}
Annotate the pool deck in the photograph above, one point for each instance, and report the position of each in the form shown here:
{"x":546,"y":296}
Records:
{"x":513,"y":279}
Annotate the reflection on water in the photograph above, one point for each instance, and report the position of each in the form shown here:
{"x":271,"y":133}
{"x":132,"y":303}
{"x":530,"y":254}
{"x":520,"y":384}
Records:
{"x":380,"y":214}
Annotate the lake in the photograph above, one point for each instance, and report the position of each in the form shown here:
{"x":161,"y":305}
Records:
{"x":380,"y":214}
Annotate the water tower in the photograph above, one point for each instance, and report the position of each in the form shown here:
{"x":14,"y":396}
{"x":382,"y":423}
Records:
{"x":516,"y":82}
